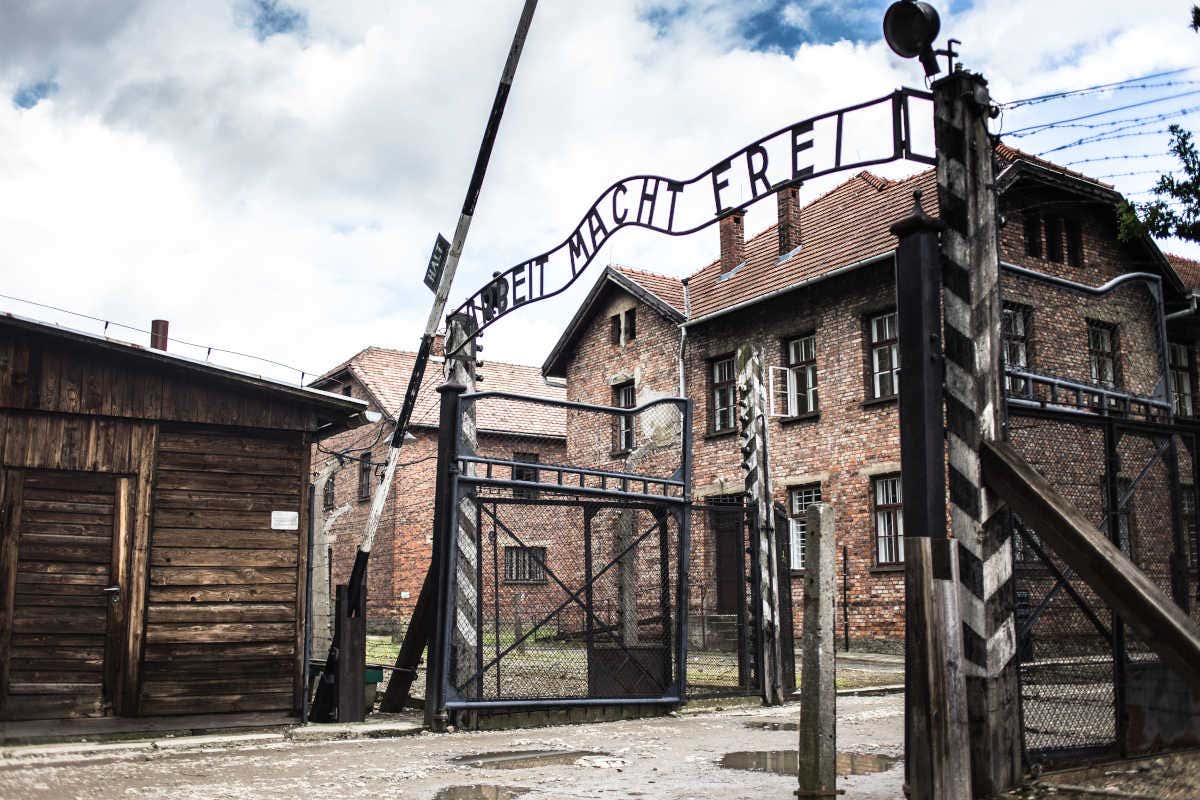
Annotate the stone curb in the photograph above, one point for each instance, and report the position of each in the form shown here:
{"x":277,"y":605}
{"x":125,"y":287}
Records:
{"x":75,"y":752}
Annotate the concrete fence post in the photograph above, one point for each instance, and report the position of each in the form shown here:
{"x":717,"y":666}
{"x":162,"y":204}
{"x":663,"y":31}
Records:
{"x":818,"y":699}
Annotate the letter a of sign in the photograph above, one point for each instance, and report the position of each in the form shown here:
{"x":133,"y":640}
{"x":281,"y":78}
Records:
{"x":437,"y":262}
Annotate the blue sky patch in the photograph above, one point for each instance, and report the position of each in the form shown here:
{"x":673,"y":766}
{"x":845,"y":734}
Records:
{"x":30,"y":94}
{"x":785,"y":25}
{"x":271,"y":18}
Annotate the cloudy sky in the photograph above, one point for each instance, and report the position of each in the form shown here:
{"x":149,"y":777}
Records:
{"x":269,"y":175}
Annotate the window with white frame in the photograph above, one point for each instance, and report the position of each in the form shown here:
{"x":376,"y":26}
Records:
{"x":885,"y":355}
{"x":889,"y":521}
{"x":1014,"y":338}
{"x":624,"y":396}
{"x":724,"y":394}
{"x":802,"y":375}
{"x":799,"y":499}
{"x":1181,"y":379}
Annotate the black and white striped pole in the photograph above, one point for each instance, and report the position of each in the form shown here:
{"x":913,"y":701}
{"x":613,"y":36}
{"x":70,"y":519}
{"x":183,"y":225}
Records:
{"x":961,"y":585}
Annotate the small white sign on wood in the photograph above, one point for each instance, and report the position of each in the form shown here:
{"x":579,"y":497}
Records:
{"x":285,"y":520}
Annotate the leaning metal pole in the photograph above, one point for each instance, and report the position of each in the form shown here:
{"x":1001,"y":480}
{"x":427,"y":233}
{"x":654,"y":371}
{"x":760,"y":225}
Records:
{"x":441,"y":294}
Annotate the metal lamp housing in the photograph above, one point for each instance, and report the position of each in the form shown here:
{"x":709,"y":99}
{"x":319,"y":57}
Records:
{"x":910,"y":28}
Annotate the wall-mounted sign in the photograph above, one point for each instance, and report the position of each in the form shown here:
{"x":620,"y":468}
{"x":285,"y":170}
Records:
{"x":808,"y":149}
{"x":285,"y":520}
{"x":437,"y":262}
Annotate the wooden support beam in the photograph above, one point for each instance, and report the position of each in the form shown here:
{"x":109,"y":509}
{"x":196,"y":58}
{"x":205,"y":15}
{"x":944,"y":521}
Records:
{"x":1135,"y":598}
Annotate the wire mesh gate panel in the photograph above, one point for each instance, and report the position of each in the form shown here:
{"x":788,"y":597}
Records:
{"x":1083,"y":672}
{"x":567,"y":574}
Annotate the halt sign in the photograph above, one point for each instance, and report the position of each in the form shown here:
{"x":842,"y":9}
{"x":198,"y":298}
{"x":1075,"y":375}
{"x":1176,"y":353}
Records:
{"x":437,"y":262}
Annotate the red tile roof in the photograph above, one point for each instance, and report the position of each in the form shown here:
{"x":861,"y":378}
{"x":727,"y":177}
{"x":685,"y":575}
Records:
{"x":844,"y":226}
{"x":1009,"y":153}
{"x":1187,"y":269}
{"x":385,"y":375}
{"x":665,"y":287}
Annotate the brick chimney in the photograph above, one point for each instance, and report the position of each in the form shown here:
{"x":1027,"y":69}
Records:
{"x":789,"y":219}
{"x":439,"y":344}
{"x":158,"y":334}
{"x":733,"y":240}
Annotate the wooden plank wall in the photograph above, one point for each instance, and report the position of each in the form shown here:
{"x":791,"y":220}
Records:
{"x":226,"y":592}
{"x":43,"y":374}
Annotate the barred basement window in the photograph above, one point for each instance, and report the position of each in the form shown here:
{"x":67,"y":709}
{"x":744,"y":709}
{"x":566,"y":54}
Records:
{"x":1102,"y":353}
{"x":724,"y":394}
{"x":1187,"y":513}
{"x":525,"y":474}
{"x":1014,"y":333}
{"x":364,"y":477}
{"x":624,"y":396}
{"x":802,"y":375}
{"x":799,"y":499}
{"x":885,"y":356}
{"x":1181,"y":379}
{"x":1033,"y":235}
{"x":327,"y":494}
{"x":524,"y":565}
{"x":889,"y":521}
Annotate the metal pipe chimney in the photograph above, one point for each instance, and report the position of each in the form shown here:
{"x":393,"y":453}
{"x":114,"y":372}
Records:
{"x":158,"y":334}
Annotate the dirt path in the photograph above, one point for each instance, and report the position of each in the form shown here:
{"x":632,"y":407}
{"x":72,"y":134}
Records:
{"x":669,"y":758}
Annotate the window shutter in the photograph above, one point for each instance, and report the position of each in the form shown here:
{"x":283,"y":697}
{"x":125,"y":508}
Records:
{"x":781,"y":390}
{"x":615,"y":329}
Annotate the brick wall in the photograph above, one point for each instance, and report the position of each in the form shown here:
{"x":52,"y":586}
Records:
{"x":852,"y":440}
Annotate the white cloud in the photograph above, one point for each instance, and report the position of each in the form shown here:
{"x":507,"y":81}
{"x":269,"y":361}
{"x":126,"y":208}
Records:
{"x":281,"y":197}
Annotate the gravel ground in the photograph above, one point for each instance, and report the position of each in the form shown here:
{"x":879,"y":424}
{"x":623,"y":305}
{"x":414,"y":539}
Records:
{"x":1174,"y":776}
{"x":674,"y":758}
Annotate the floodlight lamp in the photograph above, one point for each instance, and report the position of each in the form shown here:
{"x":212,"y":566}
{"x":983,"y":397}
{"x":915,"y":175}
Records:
{"x":910,"y":28}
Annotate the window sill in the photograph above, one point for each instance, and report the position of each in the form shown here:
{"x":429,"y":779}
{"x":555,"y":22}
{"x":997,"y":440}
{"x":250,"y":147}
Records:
{"x":523,"y":583}
{"x":881,"y":401}
{"x":720,"y":434}
{"x":810,"y":417}
{"x":886,"y":569}
{"x":619,"y":453}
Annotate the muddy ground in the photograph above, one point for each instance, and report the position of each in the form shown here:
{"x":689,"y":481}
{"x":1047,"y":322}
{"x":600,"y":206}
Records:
{"x":672,"y":758}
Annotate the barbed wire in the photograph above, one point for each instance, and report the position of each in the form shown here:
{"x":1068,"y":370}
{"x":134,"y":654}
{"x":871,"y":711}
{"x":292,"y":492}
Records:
{"x":1058,"y":123}
{"x":1121,"y":85}
{"x":1102,"y":138}
{"x":1118,"y":157}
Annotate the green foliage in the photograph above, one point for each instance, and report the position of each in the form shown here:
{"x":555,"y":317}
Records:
{"x":1175,"y":209}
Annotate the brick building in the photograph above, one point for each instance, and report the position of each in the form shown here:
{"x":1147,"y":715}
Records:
{"x":815,"y":292}
{"x":347,"y":469}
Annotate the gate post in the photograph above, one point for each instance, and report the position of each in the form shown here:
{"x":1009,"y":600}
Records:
{"x":752,"y":418}
{"x":444,"y":528}
{"x":974,"y":404}
{"x":818,"y":694}
{"x":937,"y":752}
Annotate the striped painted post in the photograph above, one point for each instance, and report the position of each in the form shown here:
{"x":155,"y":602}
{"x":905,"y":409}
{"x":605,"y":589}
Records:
{"x":752,"y":429}
{"x":971,"y":341}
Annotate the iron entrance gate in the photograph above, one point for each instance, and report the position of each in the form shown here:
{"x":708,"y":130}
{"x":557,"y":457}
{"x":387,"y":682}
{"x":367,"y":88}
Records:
{"x":1089,"y":685}
{"x":563,"y":569}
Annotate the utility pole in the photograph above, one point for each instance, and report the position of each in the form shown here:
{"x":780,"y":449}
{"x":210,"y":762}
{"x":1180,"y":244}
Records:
{"x":974,"y":401}
{"x":752,"y":428}
{"x":937,"y":754}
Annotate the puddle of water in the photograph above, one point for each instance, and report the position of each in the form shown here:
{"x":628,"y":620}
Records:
{"x":786,"y":762}
{"x":524,"y":759}
{"x":768,"y":725}
{"x":480,"y":791}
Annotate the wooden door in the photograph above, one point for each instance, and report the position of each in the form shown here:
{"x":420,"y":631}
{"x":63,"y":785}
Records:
{"x":64,"y":561}
{"x":728,"y":537}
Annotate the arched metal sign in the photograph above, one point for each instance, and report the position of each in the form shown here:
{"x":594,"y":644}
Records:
{"x":808,"y":149}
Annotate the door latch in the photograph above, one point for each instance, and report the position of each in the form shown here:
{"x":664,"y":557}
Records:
{"x":113,"y":592}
